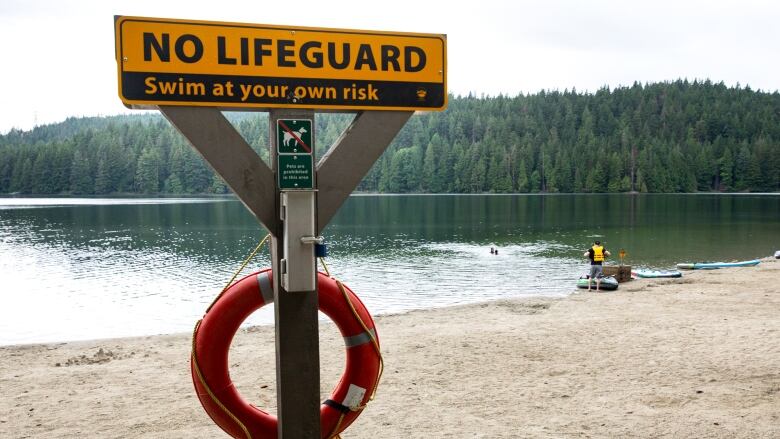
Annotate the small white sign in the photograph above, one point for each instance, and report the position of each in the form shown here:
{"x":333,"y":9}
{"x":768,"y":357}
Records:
{"x":354,"y":398}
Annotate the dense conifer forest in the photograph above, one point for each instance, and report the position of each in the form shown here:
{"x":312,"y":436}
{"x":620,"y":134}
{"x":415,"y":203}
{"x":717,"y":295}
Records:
{"x":664,"y":137}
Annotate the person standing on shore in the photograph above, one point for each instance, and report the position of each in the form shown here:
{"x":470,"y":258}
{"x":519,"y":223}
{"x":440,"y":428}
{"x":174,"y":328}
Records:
{"x":597,"y":253}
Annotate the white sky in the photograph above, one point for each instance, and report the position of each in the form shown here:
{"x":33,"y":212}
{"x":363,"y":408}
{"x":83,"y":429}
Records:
{"x":57,"y":56}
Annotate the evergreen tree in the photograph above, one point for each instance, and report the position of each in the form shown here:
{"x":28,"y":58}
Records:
{"x":664,"y":137}
{"x":431,"y":173}
{"x":726,"y":169}
{"x":147,"y":177}
{"x":80,"y":177}
{"x":742,"y":167}
{"x":41,"y":171}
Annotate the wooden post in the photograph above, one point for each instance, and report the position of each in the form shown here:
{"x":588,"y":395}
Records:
{"x":257,"y":186}
{"x":297,"y":325}
{"x":351,"y":157}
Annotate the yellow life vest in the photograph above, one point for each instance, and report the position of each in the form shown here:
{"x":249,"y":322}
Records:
{"x":598,"y":253}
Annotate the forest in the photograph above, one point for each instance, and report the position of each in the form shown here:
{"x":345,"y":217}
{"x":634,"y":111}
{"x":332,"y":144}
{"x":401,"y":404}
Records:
{"x":677,"y":136}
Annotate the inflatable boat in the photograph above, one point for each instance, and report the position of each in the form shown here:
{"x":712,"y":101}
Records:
{"x":656,"y":273}
{"x":607,"y":283}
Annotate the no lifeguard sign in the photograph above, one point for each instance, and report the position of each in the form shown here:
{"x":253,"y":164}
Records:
{"x":234,"y":65}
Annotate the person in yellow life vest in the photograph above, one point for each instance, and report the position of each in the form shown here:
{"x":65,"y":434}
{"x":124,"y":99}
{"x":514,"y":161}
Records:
{"x":596,"y":254}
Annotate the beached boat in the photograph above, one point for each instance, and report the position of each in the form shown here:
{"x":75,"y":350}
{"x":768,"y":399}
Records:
{"x":656,"y":273}
{"x":777,"y":254}
{"x":714,"y":265}
{"x":607,"y":283}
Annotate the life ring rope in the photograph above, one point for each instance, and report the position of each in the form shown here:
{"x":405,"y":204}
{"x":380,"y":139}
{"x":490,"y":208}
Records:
{"x":240,"y":269}
{"x":369,"y":333}
{"x":205,"y":385}
{"x":374,"y":342}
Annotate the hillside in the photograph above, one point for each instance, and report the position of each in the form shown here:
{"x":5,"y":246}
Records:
{"x":665,"y":137}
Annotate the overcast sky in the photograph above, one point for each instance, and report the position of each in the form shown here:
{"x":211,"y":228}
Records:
{"x":58,"y":55}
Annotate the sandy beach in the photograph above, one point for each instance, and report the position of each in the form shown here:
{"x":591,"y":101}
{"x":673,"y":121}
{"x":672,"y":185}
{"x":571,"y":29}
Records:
{"x":692,"y":357}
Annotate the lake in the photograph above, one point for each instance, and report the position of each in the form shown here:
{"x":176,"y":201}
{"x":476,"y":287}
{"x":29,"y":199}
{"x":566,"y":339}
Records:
{"x":73,"y":269}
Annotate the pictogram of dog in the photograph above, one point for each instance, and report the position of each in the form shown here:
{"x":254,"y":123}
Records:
{"x":289,"y":140}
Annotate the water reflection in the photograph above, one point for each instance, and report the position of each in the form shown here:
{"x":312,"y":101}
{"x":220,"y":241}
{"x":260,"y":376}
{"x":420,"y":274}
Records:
{"x":87,"y":268}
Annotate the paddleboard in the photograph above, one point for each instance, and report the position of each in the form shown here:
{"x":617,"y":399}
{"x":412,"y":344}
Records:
{"x":714,"y":265}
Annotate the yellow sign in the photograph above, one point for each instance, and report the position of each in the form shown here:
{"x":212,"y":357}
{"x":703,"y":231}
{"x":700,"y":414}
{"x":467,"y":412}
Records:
{"x":201,"y":63}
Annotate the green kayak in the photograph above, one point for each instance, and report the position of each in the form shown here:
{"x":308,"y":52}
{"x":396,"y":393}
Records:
{"x":607,"y":283}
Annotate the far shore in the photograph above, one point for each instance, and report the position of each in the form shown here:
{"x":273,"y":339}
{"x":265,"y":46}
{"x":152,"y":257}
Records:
{"x":360,"y":193}
{"x":680,"y":358}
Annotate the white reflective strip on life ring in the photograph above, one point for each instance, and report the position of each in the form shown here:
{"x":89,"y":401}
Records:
{"x":359,"y":339}
{"x":266,"y":289}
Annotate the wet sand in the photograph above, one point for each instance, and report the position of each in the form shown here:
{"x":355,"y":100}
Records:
{"x":691,"y":357}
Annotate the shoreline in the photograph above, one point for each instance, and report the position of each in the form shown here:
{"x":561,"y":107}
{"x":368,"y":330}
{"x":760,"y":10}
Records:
{"x":692,"y":357}
{"x":262,"y":326}
{"x":134,"y":195}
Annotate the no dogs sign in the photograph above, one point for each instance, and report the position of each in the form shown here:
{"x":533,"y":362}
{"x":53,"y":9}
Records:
{"x":295,"y":163}
{"x":293,"y":136}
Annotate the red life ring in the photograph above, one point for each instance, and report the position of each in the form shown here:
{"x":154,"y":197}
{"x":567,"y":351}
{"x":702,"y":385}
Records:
{"x":211,"y":343}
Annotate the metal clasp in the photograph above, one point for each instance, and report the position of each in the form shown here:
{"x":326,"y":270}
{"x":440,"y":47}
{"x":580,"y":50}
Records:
{"x":312,"y":239}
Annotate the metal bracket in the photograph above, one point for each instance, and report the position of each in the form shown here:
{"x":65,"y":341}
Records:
{"x":312,"y":240}
{"x":297,"y":210}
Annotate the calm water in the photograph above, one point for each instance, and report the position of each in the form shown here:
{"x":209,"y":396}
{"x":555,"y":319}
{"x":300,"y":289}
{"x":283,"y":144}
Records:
{"x":94,"y":268}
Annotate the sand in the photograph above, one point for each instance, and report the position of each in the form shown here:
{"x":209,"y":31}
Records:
{"x":691,"y":357}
